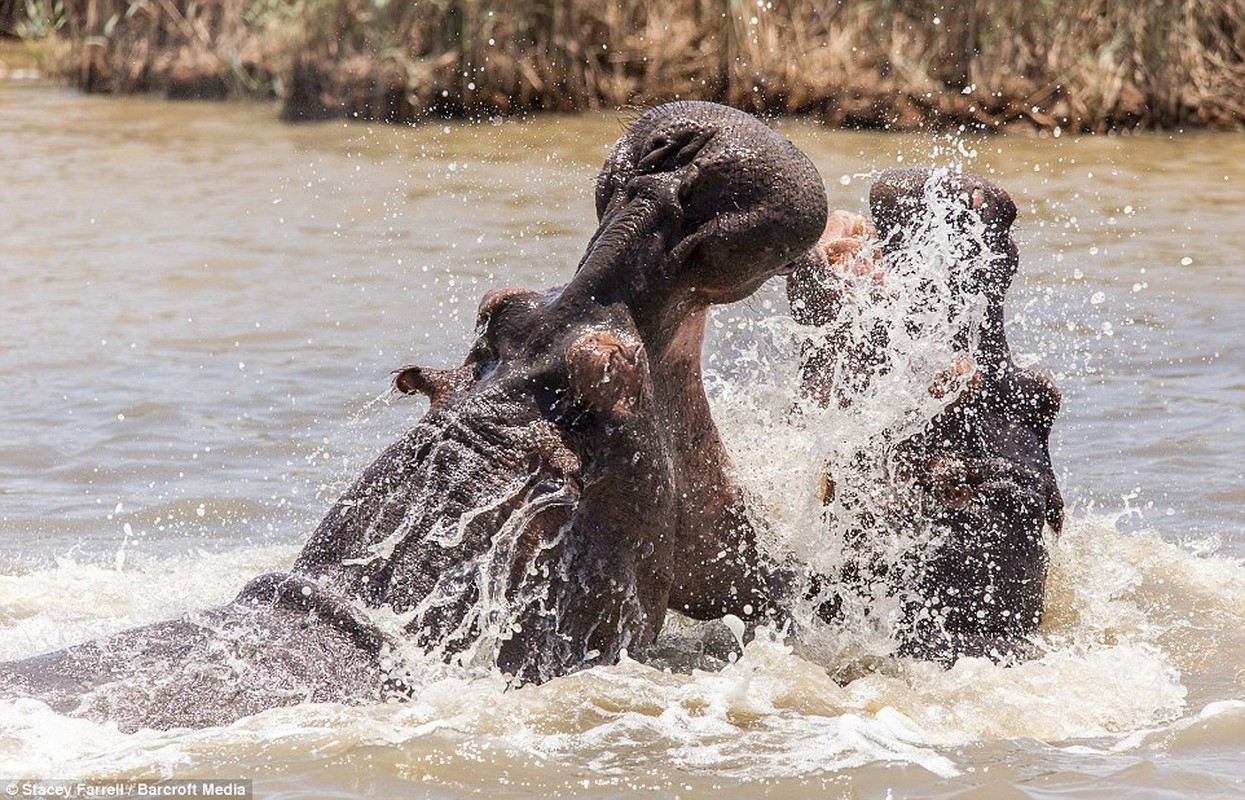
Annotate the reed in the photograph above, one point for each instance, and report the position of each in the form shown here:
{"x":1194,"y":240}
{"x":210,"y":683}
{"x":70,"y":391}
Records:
{"x":896,"y":64}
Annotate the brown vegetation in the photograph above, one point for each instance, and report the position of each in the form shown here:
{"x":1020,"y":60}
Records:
{"x":1092,"y":66}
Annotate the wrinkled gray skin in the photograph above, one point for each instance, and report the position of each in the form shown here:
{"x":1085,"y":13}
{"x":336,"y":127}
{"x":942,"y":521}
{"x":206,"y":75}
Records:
{"x":982,"y":468}
{"x":566,"y":485}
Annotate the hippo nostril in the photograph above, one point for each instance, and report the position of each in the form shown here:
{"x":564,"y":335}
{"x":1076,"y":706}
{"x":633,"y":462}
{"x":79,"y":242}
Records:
{"x":667,"y":153}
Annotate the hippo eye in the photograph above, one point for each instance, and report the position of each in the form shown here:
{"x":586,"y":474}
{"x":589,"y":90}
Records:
{"x":482,"y":350}
{"x":483,"y":357}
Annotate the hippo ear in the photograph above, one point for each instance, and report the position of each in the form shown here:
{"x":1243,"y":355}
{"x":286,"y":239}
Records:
{"x":609,"y":372}
{"x":438,"y":385}
{"x":411,"y":380}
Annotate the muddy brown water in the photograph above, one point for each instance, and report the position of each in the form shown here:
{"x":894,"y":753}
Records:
{"x":199,"y":310}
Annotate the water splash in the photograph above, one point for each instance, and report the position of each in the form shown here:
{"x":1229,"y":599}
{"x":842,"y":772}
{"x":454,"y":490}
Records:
{"x":829,"y":466}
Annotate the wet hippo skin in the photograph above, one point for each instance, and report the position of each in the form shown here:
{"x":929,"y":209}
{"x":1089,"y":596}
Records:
{"x":565,"y":487}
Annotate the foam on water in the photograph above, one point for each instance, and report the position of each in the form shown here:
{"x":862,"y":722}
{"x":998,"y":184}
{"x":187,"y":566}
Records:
{"x":75,"y":601}
{"x":1115,"y":671}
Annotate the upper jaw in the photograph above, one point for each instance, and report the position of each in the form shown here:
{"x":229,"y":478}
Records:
{"x":721,"y":201}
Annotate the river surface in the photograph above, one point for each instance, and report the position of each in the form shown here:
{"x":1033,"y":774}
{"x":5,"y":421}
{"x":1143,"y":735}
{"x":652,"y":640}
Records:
{"x":199,"y":312}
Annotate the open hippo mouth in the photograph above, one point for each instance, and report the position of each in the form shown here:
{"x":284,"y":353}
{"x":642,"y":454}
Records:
{"x":532,"y":519}
{"x":565,"y":487}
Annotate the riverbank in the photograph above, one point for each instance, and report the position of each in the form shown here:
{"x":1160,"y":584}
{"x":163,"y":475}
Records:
{"x":876,"y":64}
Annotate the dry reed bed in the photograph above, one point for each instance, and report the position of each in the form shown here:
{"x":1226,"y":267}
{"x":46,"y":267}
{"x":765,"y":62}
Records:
{"x":1093,"y":66}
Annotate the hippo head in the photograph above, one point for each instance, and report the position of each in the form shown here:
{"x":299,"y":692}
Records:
{"x":974,"y":490}
{"x":983,"y":465}
{"x":703,"y":203}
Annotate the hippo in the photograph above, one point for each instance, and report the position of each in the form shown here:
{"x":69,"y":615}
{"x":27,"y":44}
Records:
{"x":969,"y":494}
{"x":564,"y":488}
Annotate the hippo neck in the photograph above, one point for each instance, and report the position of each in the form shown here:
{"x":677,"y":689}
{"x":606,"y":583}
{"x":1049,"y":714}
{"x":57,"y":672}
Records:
{"x":622,"y":268}
{"x":669,"y":320}
{"x":678,"y":385}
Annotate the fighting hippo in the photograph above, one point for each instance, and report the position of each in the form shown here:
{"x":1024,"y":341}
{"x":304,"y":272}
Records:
{"x":565,"y":486}
{"x":957,"y":532}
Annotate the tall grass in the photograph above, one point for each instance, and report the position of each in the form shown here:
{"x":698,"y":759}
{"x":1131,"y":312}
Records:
{"x":1091,"y":66}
